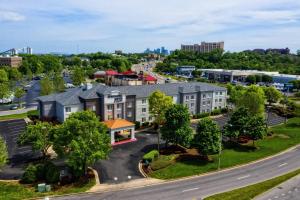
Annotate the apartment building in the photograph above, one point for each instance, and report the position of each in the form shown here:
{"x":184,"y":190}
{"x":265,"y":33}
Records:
{"x":11,"y":61}
{"x":204,"y":47}
{"x":129,"y":102}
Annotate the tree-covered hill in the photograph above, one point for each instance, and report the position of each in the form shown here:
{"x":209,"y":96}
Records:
{"x":289,"y":64}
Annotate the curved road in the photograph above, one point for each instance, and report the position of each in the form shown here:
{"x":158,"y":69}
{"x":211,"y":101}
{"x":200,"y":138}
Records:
{"x":200,"y":187}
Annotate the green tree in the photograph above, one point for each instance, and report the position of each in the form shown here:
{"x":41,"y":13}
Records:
{"x":39,"y":136}
{"x":58,"y":83}
{"x":254,"y":99}
{"x":176,"y":128}
{"x":159,"y":103}
{"x":19,"y":92}
{"x":237,"y":124}
{"x":207,"y":138}
{"x":3,"y":76}
{"x":272,"y":95}
{"x":83,"y":140}
{"x":251,"y":79}
{"x":266,"y":79}
{"x":14,"y":74}
{"x":78,"y":76}
{"x":256,"y":128}
{"x":4,"y":90}
{"x":46,"y":86}
{"x":3,"y":152}
{"x":235,"y":94}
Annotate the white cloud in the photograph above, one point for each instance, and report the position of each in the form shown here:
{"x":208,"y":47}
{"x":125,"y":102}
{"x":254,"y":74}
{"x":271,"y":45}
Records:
{"x":10,"y":16}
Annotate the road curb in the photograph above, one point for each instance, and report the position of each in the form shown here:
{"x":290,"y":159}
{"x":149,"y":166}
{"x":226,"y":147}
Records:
{"x":141,"y":169}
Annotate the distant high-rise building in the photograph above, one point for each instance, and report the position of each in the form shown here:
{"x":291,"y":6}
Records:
{"x":204,"y":47}
{"x":29,"y":50}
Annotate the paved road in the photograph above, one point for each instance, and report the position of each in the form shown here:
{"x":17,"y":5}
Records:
{"x":122,"y":164}
{"x":200,"y":187}
{"x":289,"y":190}
{"x":147,"y":67}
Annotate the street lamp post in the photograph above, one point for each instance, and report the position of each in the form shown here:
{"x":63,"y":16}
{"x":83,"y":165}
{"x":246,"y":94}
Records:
{"x":220,"y":150}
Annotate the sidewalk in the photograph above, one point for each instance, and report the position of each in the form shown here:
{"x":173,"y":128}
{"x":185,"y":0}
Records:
{"x":142,"y":182}
{"x":286,"y":190}
{"x":20,"y":111}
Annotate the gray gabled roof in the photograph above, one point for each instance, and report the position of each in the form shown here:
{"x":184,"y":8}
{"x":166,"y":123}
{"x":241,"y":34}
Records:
{"x":72,"y":96}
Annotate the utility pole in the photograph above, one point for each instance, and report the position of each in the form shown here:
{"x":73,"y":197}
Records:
{"x":220,"y":150}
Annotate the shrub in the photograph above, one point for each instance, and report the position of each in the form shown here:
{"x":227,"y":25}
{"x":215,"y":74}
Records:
{"x":162,"y":162}
{"x":297,"y":94}
{"x":29,"y":176}
{"x":40,"y":171}
{"x":150,"y":156}
{"x":216,"y":112}
{"x":145,"y":124}
{"x":201,"y":115}
{"x":224,"y":110}
{"x":137,"y":124}
{"x":51,"y":173}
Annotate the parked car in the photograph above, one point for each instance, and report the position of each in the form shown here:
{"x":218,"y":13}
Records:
{"x":13,"y":107}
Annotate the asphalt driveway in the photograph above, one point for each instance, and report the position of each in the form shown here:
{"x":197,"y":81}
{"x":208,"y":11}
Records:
{"x":122,"y":164}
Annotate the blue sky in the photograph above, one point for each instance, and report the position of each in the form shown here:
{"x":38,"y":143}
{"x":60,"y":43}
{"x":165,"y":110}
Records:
{"x":134,"y":25}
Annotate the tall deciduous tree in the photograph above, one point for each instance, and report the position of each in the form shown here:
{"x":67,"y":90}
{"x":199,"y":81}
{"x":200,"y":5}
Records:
{"x":256,"y":128}
{"x":38,"y":136}
{"x":46,"y":86}
{"x":83,"y":140}
{"x":253,"y":99}
{"x":58,"y":83}
{"x":3,"y":76}
{"x":207,"y":138}
{"x":19,"y":93}
{"x":176,"y":128}
{"x":272,"y":95}
{"x":78,"y":76}
{"x":3,"y":152}
{"x":4,"y":90}
{"x":159,"y":103}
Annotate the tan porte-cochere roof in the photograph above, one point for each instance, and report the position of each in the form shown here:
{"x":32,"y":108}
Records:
{"x":118,"y":123}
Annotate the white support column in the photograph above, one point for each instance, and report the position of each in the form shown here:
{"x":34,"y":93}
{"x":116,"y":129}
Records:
{"x":112,"y":137}
{"x":132,"y":133}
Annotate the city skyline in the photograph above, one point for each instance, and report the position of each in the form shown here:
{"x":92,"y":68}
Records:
{"x":90,"y":26}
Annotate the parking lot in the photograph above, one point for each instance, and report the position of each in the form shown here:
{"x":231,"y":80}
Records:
{"x":18,"y":156}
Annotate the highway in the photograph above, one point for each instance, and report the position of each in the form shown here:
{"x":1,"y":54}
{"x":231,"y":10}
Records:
{"x":202,"y":186}
{"x":147,"y":67}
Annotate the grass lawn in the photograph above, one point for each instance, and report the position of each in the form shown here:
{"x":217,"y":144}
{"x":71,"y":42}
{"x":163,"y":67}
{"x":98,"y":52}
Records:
{"x":249,"y":192}
{"x":285,"y":136}
{"x":19,"y":116}
{"x":16,"y":191}
{"x":14,"y":116}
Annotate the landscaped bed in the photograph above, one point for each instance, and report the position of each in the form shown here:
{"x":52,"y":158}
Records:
{"x":284,"y":136}
{"x":16,"y":191}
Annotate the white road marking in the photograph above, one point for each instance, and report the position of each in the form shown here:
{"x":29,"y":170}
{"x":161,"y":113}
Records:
{"x":187,"y":190}
{"x":283,"y":164}
{"x":243,"y":177}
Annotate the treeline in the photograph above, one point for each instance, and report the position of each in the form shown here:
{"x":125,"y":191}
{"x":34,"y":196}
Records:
{"x":289,"y":64}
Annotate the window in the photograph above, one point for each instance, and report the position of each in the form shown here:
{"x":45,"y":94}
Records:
{"x":192,"y":105}
{"x":92,"y":108}
{"x":217,"y":93}
{"x":204,"y":96}
{"x":129,"y":104}
{"x":150,"y":118}
{"x":220,"y":107}
{"x":110,"y":107}
{"x":119,"y":106}
{"x":68,"y":109}
{"x":144,"y":101}
{"x":203,"y":103}
{"x":208,"y":102}
{"x":119,"y":115}
{"x":207,"y":110}
{"x":220,"y":100}
{"x":192,"y":97}
{"x":129,"y":114}
{"x":221,"y":93}
{"x":143,"y":119}
{"x":216,"y":100}
{"x":144,"y":110}
{"x":216,"y":108}
{"x":187,"y":97}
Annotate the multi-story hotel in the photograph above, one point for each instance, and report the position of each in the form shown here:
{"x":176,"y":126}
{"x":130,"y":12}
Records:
{"x":122,"y":104}
{"x":204,"y":47}
{"x":12,"y":61}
